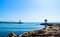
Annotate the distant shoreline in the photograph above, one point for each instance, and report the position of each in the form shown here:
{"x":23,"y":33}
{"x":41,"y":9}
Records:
{"x":10,"y":22}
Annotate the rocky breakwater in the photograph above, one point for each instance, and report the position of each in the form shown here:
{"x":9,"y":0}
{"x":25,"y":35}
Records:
{"x":27,"y":34}
{"x":52,"y":30}
{"x":13,"y":35}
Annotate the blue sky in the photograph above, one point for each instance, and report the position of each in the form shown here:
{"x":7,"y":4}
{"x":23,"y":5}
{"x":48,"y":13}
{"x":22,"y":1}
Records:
{"x":30,"y":10}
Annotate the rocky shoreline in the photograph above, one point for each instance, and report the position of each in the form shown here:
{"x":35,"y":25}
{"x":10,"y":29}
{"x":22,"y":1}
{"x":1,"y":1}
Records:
{"x":52,"y":30}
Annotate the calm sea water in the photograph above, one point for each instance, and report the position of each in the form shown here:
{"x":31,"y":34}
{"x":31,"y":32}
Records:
{"x":5,"y":29}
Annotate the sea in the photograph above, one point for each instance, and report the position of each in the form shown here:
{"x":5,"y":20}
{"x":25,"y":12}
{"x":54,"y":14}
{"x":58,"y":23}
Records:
{"x":6,"y":29}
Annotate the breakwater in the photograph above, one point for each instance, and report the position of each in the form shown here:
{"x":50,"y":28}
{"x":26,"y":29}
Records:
{"x":10,"y":22}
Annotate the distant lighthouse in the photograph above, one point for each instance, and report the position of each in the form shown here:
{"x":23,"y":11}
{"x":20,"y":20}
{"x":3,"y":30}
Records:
{"x":20,"y":22}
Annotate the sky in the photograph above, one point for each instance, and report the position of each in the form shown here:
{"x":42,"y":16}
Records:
{"x":30,"y":10}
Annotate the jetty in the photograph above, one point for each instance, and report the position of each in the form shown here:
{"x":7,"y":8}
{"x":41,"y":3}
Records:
{"x":4,"y":22}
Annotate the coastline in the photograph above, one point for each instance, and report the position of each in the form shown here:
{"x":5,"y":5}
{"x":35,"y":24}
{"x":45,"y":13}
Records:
{"x":2,"y":22}
{"x":52,"y":30}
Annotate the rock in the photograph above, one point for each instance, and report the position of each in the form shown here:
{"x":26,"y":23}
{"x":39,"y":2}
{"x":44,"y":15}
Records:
{"x":12,"y":35}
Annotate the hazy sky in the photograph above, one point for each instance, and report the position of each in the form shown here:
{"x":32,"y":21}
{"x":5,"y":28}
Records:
{"x":30,"y":10}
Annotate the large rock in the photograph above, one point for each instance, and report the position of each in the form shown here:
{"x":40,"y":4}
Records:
{"x":12,"y":35}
